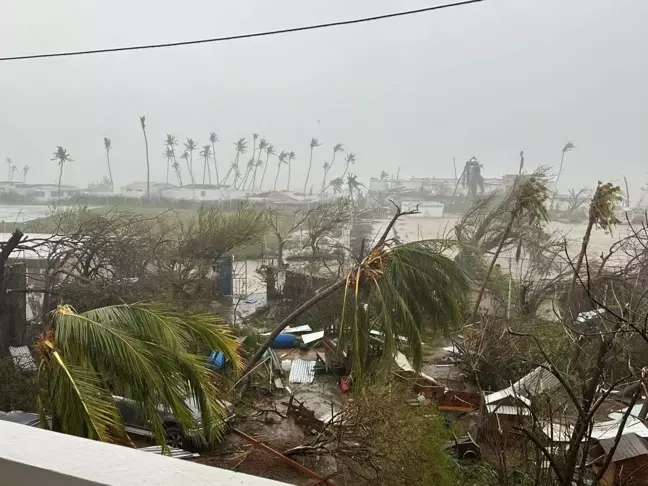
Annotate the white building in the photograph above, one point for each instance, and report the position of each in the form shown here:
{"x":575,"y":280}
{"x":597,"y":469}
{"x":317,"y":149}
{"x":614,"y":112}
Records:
{"x":46,"y":193}
{"x":137,"y":190}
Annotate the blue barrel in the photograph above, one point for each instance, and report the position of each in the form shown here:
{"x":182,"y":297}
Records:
{"x":284,"y":341}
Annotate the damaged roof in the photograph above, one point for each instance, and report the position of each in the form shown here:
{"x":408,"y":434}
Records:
{"x":538,"y":381}
{"x":630,"y":445}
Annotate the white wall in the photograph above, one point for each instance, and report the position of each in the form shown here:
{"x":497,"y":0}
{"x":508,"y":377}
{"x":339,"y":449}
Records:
{"x":31,"y":456}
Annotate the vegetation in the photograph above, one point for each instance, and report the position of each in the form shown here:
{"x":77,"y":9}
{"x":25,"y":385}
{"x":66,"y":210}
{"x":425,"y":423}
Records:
{"x":146,"y":353}
{"x":61,"y":157}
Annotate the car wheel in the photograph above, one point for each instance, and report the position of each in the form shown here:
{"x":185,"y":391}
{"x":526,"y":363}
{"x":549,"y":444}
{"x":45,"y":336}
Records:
{"x":174,"y":437}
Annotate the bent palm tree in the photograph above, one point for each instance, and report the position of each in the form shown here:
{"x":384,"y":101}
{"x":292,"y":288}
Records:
{"x":353,"y":184}
{"x":314,"y":143}
{"x":291,"y":157}
{"x":9,"y":164}
{"x":205,"y":153}
{"x":396,"y":290}
{"x":281,"y":160}
{"x":601,"y":214}
{"x":190,"y":146}
{"x":25,"y":170}
{"x":263,"y":143}
{"x":108,"y":147}
{"x":248,"y":170}
{"x":148,"y":167}
{"x":170,"y":143}
{"x":567,"y":148}
{"x":144,"y":352}
{"x":185,"y":157}
{"x":176,"y":168}
{"x":527,"y":202}
{"x":241,"y":148}
{"x":338,"y":147}
{"x":270,"y":150}
{"x":168,"y":153}
{"x":213,"y":138}
{"x":61,"y":156}
{"x":336,"y":184}
{"x":348,"y":160}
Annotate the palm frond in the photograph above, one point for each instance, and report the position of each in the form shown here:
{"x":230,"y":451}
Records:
{"x":406,"y":288}
{"x":144,"y":352}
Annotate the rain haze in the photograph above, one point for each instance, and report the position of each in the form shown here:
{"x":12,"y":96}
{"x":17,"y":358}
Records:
{"x":487,"y":79}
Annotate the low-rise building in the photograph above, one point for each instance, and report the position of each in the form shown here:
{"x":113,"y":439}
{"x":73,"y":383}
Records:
{"x":137,"y":190}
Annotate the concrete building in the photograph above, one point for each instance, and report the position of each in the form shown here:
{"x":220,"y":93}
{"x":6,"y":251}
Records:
{"x":45,"y":193}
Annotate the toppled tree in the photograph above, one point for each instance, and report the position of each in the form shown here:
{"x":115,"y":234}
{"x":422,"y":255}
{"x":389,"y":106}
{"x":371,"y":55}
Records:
{"x":395,"y":289}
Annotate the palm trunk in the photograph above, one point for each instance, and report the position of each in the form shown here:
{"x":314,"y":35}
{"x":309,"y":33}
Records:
{"x":346,"y":168}
{"x":148,"y":170}
{"x":326,"y":171}
{"x":256,"y":167}
{"x":288,"y":185}
{"x":193,"y":181}
{"x":277,"y":176}
{"x":59,"y":181}
{"x":112,"y":185}
{"x":310,"y":163}
{"x":324,"y":181}
{"x":179,"y":176}
{"x":553,"y":198}
{"x":264,"y":171}
{"x":168,"y":167}
{"x":581,"y":255}
{"x":247,"y":173}
{"x":215,"y":164}
{"x":490,"y":268}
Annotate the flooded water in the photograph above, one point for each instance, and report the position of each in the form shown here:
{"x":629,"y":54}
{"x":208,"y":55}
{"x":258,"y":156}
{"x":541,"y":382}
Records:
{"x":19,"y":214}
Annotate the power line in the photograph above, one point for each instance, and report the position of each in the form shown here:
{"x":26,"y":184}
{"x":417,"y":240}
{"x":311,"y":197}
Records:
{"x":244,"y":36}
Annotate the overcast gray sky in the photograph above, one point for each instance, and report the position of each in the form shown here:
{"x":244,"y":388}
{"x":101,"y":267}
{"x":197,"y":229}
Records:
{"x":485,"y":80}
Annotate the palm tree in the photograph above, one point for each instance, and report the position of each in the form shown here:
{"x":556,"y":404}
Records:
{"x":255,"y":136}
{"x":205,"y":153}
{"x":170,"y":143}
{"x":353,"y":184}
{"x":144,"y":352}
{"x":190,"y":146}
{"x":601,"y":213}
{"x":314,"y":143}
{"x":281,"y":160}
{"x":25,"y":170}
{"x":397,"y":290}
{"x":383,"y":175}
{"x":61,"y":156}
{"x":176,"y":167}
{"x":185,"y":157}
{"x":291,"y":157}
{"x":336,"y":184}
{"x":170,"y":156}
{"x":349,"y":159}
{"x":326,"y":166}
{"x":248,"y":170}
{"x":213,"y":138}
{"x":263,"y":143}
{"x":567,"y":148}
{"x":241,"y":148}
{"x":12,"y":172}
{"x":270,"y":150}
{"x":338,"y":147}
{"x":108,"y":146}
{"x":526,"y":203}
{"x":9,"y":164}
{"x":148,"y":170}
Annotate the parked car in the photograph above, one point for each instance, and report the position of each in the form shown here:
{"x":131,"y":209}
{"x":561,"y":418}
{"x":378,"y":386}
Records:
{"x":176,"y":437}
{"x":136,"y":425}
{"x":25,"y":418}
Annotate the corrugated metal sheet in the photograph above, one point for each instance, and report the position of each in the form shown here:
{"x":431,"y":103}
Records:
{"x":302,"y":371}
{"x":600,"y":430}
{"x":507,"y":410}
{"x":312,"y":337}
{"x":630,"y":445}
{"x":173,"y":452}
{"x":538,"y":381}
{"x":22,"y":358}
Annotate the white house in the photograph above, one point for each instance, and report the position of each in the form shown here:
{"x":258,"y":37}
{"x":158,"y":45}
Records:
{"x":137,"y":190}
{"x":45,"y":193}
{"x":203,"y":192}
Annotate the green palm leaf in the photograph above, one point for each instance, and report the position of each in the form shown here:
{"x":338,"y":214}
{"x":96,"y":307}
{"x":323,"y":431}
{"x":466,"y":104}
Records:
{"x":143,"y":352}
